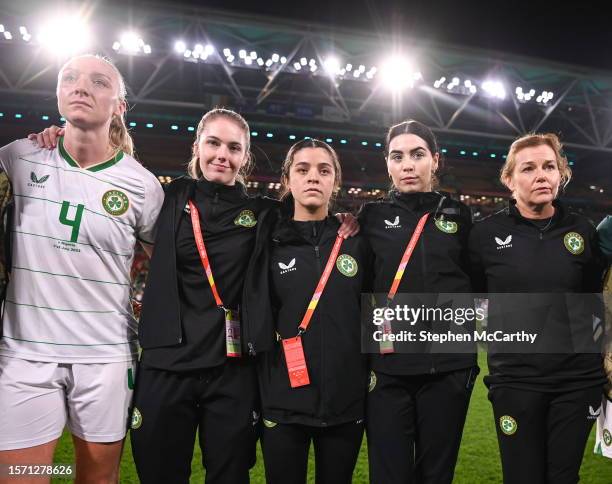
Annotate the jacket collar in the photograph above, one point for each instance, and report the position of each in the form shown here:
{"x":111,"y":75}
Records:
{"x":513,"y":211}
{"x":418,"y":201}
{"x":230,"y":193}
{"x":286,"y":231}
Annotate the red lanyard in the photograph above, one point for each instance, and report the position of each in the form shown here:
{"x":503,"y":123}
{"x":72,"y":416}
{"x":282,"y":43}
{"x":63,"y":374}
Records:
{"x":321,"y":285}
{"x":406,"y":257}
{"x":199,"y":239}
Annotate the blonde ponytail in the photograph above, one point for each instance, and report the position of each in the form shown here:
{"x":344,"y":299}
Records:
{"x":119,"y":136}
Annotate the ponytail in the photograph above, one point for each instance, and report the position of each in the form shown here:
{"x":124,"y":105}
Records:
{"x":119,"y":136}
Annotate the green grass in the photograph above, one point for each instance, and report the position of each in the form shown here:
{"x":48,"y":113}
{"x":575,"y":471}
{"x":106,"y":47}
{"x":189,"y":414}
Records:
{"x":478,"y":458}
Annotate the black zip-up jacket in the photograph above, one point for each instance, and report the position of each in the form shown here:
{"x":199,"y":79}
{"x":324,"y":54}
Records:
{"x":287,"y":264}
{"x":511,"y":254}
{"x":439,"y":264}
{"x":181,"y":328}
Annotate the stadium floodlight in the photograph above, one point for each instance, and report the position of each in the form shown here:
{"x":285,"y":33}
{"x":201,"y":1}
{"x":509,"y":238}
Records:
{"x":331,"y":65}
{"x":248,"y":61}
{"x":303,"y":61}
{"x":253,"y":55}
{"x":275,"y":57}
{"x":25,"y":35}
{"x":398,"y":73}
{"x":545,"y":97}
{"x":131,"y":43}
{"x":349,"y":67}
{"x":260,"y":61}
{"x":242,"y":54}
{"x":494,"y":89}
{"x":283,"y":60}
{"x":209,"y":49}
{"x":297,"y":66}
{"x":180,"y":47}
{"x":64,"y":35}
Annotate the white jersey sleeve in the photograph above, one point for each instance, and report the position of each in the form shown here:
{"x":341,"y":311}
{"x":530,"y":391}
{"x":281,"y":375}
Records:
{"x":10,"y":154}
{"x":153,"y":200}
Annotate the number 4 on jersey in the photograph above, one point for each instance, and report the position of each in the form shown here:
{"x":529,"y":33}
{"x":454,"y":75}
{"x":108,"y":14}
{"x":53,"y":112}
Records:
{"x":75,"y":223}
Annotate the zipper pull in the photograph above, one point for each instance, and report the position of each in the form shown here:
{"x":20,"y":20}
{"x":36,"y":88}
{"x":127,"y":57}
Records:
{"x":251,"y":349}
{"x":541,"y":238}
{"x":317,"y":251}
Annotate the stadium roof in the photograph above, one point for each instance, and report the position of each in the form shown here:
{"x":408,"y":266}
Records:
{"x":334,"y":83}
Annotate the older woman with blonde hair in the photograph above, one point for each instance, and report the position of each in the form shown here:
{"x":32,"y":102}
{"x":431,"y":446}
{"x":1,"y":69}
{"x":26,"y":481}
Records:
{"x":544,"y":404}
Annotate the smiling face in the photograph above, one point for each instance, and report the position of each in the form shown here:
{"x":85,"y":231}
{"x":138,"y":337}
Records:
{"x":311,"y":179}
{"x":222,"y":150}
{"x":535,"y":178}
{"x":411,"y":164}
{"x":89,"y":92}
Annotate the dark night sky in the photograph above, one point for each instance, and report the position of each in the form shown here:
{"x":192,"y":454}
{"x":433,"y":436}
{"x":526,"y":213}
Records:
{"x":575,"y":32}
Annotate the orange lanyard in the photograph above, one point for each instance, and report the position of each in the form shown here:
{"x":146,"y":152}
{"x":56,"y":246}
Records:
{"x":199,"y":239}
{"x":406,"y":257}
{"x":321,"y":285}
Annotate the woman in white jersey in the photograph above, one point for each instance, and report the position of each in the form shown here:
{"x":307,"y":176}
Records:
{"x":68,"y":343}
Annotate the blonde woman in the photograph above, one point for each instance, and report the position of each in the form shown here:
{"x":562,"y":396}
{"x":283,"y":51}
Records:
{"x":544,"y":404}
{"x":69,"y":343}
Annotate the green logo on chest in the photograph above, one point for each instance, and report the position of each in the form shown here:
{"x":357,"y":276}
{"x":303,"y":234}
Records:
{"x":347,"y":265}
{"x":246,"y":218}
{"x":574,"y":242}
{"x":115,"y":202}
{"x":447,"y":226}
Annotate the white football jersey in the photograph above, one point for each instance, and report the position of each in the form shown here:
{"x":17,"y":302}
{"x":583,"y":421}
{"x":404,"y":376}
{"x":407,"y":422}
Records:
{"x":73,"y":237}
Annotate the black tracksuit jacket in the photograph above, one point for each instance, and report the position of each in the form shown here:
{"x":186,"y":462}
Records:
{"x":175,"y":334}
{"x":525,"y":259}
{"x":439,"y":264}
{"x":286,"y":266}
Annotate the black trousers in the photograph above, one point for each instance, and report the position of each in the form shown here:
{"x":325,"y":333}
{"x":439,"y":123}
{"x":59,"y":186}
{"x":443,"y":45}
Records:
{"x":542,"y":435}
{"x":414,"y":425}
{"x":169,"y":408}
{"x":285,"y":451}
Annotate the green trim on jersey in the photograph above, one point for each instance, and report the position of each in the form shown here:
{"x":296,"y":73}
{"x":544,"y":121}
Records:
{"x":78,"y":170}
{"x":68,"y":275}
{"x":70,"y":344}
{"x":98,"y":167}
{"x":58,"y":309}
{"x":72,"y":205}
{"x":76,"y":243}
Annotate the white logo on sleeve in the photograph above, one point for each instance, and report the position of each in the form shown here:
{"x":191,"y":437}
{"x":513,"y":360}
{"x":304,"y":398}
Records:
{"x":593,"y":414}
{"x":504,"y":243}
{"x":393,"y":225}
{"x":287,"y":267}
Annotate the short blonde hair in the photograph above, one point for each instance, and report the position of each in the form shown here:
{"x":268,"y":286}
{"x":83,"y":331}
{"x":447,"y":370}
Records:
{"x":532,"y":140}
{"x":119,"y":136}
{"x":193,"y":167}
